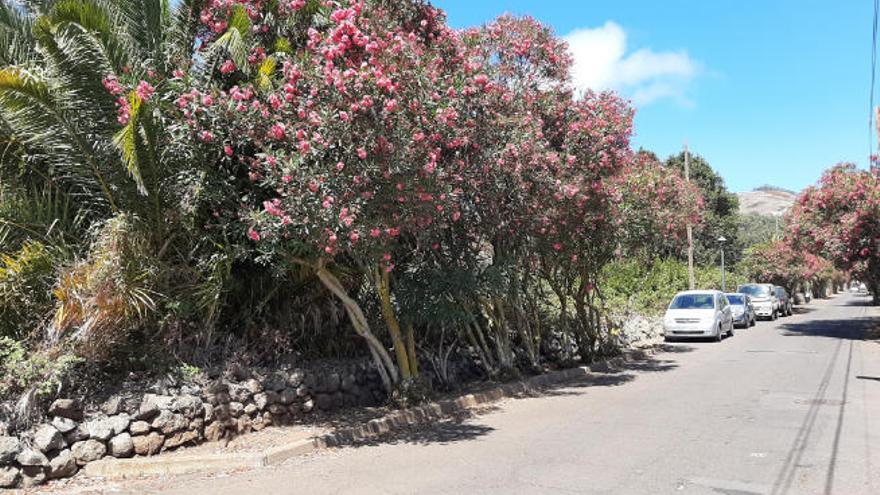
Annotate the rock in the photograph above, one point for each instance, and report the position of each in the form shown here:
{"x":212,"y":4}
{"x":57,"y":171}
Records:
{"x":235,"y":409}
{"x":119,"y":423}
{"x":331,"y":383}
{"x":197,"y":424}
{"x":308,"y":405}
{"x":139,"y":428}
{"x":218,"y":398}
{"x":31,"y":457}
{"x":250,"y":409}
{"x":243,"y":425}
{"x":4,"y":428}
{"x":100,"y":429}
{"x":121,"y":445}
{"x":188,"y":405}
{"x":148,"y":444}
{"x":253,"y":386}
{"x":275,"y":382}
{"x":264,"y":399}
{"x":112,"y":406}
{"x":152,"y":404}
{"x":296,"y":377}
{"x":277,"y":409}
{"x":88,"y":451}
{"x":67,"y":408}
{"x":32,"y":476}
{"x":348,"y":383}
{"x":63,"y":425}
{"x":77,"y":434}
{"x":302,"y":391}
{"x":240,"y":393}
{"x":62,"y":465}
{"x":9,"y":448}
{"x":237,"y":372}
{"x":47,"y":438}
{"x":9,"y":476}
{"x":209,"y":412}
{"x":324,"y":402}
{"x":287,"y":396}
{"x":257,"y":424}
{"x":180,"y":438}
{"x":168,"y":422}
{"x":214,"y":432}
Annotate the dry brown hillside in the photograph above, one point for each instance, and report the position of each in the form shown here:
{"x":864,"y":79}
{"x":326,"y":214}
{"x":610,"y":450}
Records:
{"x":766,"y":201}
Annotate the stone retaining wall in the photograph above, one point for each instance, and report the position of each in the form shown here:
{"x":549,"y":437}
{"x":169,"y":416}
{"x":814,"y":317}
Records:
{"x":186,"y":414}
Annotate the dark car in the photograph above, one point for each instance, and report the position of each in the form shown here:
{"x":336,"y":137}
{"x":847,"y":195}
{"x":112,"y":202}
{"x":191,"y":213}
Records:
{"x":742,"y":309}
{"x":784,"y":301}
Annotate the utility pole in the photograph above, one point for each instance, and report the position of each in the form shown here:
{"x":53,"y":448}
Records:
{"x":690,"y":229}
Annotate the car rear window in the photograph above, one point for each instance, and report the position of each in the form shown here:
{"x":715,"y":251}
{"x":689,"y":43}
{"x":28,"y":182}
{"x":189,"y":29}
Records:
{"x":738,"y":300}
{"x":755,"y":290}
{"x":693,"y":301}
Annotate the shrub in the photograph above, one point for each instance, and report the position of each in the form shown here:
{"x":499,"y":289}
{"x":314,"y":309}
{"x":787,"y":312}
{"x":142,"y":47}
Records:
{"x":26,"y":278}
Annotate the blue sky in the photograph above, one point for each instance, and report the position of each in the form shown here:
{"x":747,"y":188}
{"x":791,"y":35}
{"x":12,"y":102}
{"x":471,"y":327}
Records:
{"x":769,"y":92}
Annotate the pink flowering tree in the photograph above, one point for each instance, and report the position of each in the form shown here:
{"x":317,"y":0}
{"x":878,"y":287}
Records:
{"x":348,"y":144}
{"x":840,"y":219}
{"x":655,"y":206}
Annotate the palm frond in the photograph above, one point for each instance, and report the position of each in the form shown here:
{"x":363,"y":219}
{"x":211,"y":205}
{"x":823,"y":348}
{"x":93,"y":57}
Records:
{"x":52,"y":136}
{"x":17,"y":45}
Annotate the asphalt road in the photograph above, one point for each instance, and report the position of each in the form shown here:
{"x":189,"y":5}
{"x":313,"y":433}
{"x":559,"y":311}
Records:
{"x":788,"y":407}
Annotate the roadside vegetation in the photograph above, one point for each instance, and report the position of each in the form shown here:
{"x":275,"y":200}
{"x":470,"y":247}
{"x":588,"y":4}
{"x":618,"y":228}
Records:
{"x":182,"y":186}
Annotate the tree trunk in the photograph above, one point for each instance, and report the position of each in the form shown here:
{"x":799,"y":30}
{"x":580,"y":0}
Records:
{"x":359,"y":322}
{"x":383,"y":288}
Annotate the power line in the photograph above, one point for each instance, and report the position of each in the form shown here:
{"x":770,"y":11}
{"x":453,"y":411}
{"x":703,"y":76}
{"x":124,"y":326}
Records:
{"x":873,"y":78}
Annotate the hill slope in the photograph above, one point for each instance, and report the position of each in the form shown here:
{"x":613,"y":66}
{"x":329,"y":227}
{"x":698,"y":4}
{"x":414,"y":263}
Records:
{"x":766,"y":201}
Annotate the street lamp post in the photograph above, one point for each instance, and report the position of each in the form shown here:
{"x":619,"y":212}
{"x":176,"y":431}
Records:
{"x":721,"y":241}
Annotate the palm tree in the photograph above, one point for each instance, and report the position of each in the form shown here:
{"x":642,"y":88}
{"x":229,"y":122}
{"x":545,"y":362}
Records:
{"x":58,"y":123}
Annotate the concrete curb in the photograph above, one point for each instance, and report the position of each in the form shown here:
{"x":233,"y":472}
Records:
{"x":129,"y":468}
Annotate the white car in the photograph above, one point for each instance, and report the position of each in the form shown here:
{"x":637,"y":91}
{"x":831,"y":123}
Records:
{"x":698,"y":314}
{"x":763,"y":299}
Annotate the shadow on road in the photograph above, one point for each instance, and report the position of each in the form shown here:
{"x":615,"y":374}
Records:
{"x":802,"y":310}
{"x":444,"y":431}
{"x":848,"y":329}
{"x":465,"y":425}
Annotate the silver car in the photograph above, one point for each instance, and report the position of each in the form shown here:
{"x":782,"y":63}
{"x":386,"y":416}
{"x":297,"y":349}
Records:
{"x":742,"y":309}
{"x":763,"y":298}
{"x":698,"y":314}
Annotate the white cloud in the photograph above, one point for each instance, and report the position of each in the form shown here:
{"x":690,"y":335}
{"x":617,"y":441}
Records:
{"x":601,"y":62}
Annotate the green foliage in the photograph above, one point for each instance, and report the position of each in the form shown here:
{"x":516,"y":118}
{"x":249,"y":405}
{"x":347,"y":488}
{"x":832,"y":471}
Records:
{"x":26,"y":277}
{"x":757,"y":229}
{"x":21,"y":370}
{"x":635,"y":285}
{"x":719,"y":216}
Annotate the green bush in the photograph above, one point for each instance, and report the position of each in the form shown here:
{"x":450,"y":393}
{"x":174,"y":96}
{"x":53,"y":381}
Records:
{"x":26,"y":278}
{"x":22,"y":369}
{"x":647,"y":287}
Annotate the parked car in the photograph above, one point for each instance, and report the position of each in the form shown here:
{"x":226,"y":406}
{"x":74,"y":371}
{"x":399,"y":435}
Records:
{"x":698,"y":314}
{"x":742,"y":309}
{"x":784,"y":301}
{"x":763,"y":299}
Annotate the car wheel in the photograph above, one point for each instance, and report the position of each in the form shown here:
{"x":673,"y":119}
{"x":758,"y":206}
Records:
{"x":774,"y":316}
{"x":753,"y":322}
{"x":720,"y":335}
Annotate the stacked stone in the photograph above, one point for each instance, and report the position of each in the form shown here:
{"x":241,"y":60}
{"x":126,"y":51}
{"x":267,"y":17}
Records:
{"x":236,"y":403}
